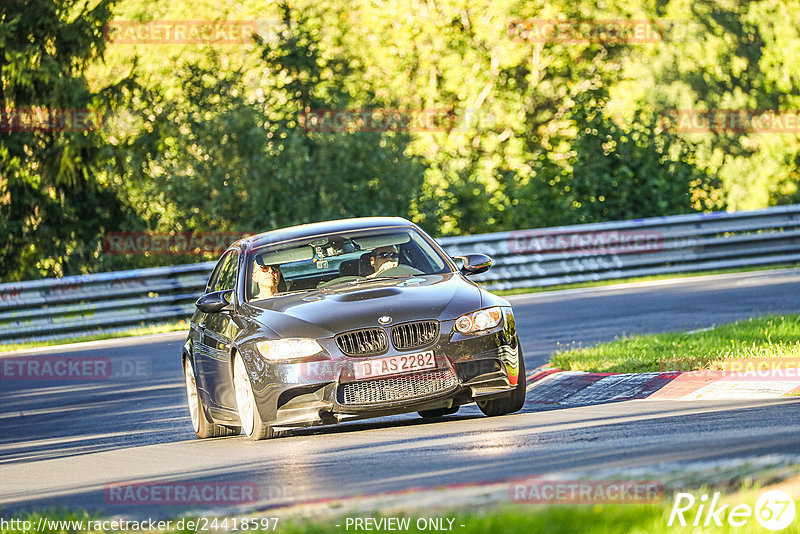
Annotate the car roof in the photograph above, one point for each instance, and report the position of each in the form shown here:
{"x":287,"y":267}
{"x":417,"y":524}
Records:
{"x":318,"y":228}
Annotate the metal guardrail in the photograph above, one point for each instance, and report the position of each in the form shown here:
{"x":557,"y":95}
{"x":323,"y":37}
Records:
{"x":78,"y":305}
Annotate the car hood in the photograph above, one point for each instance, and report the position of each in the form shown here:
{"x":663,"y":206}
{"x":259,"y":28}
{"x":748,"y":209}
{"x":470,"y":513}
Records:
{"x":326,"y":312}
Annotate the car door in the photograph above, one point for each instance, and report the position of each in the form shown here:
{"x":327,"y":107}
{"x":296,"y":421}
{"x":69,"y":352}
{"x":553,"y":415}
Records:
{"x":198,"y":326}
{"x":217,"y":333}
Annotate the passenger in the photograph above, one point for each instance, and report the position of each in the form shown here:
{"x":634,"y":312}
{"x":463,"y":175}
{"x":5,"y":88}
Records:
{"x":268,"y":279}
{"x":382,"y":259}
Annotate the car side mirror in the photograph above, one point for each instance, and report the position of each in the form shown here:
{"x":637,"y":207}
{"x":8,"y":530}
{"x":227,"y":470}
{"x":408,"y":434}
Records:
{"x":475,"y":263}
{"x":214,"y":302}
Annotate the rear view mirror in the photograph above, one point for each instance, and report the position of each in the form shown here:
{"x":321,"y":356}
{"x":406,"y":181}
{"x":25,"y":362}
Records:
{"x":214,"y":302}
{"x":474,"y":263}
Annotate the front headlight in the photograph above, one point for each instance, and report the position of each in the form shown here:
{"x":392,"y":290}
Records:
{"x":288,"y":349}
{"x":471,"y":323}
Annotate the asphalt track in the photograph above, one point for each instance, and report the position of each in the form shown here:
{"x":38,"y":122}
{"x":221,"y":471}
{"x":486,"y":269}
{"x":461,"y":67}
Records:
{"x":66,"y":443}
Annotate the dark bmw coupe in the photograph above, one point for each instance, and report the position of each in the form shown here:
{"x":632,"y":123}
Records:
{"x":342,"y":320}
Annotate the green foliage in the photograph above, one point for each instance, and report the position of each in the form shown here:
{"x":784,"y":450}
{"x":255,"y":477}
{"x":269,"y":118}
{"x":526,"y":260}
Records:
{"x":53,"y":206}
{"x":217,"y":157}
{"x":732,"y":56}
{"x":211,"y":137}
{"x":629,"y":173}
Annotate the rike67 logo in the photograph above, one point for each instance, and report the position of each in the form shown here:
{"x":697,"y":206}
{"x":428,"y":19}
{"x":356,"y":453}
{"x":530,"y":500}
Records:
{"x":774,"y":510}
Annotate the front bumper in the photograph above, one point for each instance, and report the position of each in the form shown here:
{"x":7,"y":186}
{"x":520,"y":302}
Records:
{"x":468,"y":368}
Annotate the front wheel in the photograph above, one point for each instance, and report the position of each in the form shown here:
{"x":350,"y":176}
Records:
{"x":201,"y":424}
{"x":515,"y":401}
{"x":252,"y":425}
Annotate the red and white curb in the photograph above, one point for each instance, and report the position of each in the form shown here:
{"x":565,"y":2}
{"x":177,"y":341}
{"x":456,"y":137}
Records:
{"x":555,"y":386}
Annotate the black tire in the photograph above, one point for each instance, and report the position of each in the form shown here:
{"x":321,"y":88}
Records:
{"x":429,"y":414}
{"x":512,"y":403}
{"x":252,"y":425}
{"x":201,"y":424}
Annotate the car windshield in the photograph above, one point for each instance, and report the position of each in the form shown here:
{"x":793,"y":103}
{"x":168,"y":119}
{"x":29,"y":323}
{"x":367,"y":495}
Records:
{"x":332,"y":259}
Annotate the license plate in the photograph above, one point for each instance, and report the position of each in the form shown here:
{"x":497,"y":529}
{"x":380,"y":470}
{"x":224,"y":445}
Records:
{"x":392,"y":365}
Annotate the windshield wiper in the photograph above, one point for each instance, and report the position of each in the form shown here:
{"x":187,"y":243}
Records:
{"x":374,"y":279}
{"x":357,"y":282}
{"x":283,"y":293}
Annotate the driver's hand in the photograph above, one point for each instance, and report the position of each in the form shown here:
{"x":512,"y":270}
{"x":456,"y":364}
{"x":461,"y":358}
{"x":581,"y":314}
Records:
{"x":386,"y":266}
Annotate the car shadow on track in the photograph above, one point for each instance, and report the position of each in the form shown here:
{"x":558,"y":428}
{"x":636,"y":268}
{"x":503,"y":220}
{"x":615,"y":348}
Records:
{"x":395,"y":421}
{"x":42,"y":422}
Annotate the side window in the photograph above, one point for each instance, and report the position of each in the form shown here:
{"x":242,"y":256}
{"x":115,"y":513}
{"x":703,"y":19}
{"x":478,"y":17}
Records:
{"x":212,"y":281}
{"x":227,"y":273}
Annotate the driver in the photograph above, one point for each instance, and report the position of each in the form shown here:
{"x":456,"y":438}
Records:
{"x":383,"y":258}
{"x":266,"y":277}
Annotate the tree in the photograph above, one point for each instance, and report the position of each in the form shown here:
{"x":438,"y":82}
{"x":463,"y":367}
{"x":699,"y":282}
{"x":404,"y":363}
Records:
{"x":230,"y":153}
{"x":620,"y":173}
{"x":53,"y":205}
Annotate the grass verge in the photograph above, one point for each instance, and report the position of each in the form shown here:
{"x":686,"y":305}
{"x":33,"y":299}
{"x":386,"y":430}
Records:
{"x":142,"y":330}
{"x":759,"y":341}
{"x":506,"y":519}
